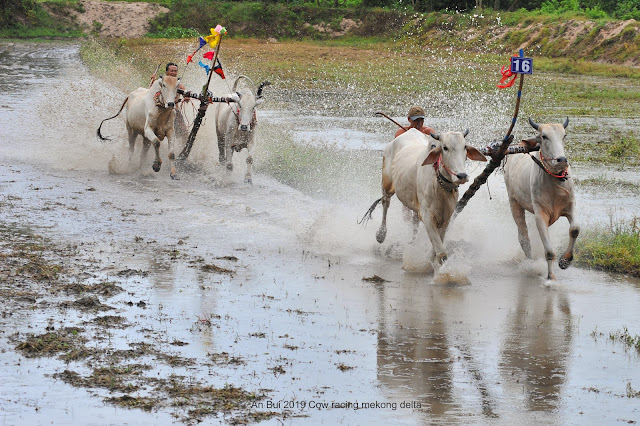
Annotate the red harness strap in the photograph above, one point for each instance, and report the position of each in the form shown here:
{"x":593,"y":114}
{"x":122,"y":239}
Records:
{"x":562,"y":176}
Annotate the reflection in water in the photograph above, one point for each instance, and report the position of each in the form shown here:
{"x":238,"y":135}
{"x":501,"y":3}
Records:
{"x":413,"y":353}
{"x":432,"y":341}
{"x":422,"y":357}
{"x":536,"y":345}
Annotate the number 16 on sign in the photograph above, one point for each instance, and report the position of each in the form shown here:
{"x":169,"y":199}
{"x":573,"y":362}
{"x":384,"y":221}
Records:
{"x":520,"y":65}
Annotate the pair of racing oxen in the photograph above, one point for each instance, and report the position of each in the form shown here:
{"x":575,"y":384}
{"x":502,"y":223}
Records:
{"x":425,"y":172}
{"x":151,"y":113}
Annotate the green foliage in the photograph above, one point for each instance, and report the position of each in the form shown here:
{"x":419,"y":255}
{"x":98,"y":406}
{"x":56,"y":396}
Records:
{"x":614,"y":249}
{"x":624,"y":148}
{"x":595,"y":13}
{"x":17,"y":13}
{"x":28,"y":19}
{"x":557,"y":7}
{"x":628,"y":9}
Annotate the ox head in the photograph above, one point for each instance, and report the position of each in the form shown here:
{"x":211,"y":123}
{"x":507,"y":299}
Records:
{"x":167,"y":91}
{"x":247,"y":103}
{"x":452,"y":150}
{"x":551,"y":139}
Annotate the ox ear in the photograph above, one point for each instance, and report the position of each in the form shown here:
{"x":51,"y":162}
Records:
{"x":531,"y":142}
{"x":474,"y":154}
{"x":433,"y":156}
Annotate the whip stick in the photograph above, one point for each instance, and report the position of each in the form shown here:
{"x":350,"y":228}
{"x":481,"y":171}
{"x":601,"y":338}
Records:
{"x":204,"y":104}
{"x":155,"y":75}
{"x":391,"y":119}
{"x":496,"y":158}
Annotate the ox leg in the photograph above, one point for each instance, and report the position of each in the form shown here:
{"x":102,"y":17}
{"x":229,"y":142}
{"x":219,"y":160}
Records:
{"x":146,"y":144}
{"x":247,"y":176}
{"x":221,"y":149}
{"x":574,"y":231}
{"x":172,"y":156}
{"x":228,"y":152}
{"x":149,"y":134}
{"x":158,"y":161}
{"x":523,"y":234}
{"x":382,"y":232}
{"x":542,"y":223}
{"x":412,"y":217}
{"x":132,"y":142}
{"x":434,"y":233}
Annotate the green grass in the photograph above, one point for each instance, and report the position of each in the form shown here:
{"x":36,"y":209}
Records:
{"x":615,"y":249}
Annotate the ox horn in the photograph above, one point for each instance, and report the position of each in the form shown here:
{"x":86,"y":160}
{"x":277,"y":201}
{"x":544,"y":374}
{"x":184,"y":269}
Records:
{"x":235,"y":83}
{"x":465,"y":133}
{"x":533,"y":123}
{"x":262,"y":85}
{"x":435,"y":136}
{"x":566,"y":123}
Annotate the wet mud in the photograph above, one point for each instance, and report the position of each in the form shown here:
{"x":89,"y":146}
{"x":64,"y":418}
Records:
{"x":129,"y":297}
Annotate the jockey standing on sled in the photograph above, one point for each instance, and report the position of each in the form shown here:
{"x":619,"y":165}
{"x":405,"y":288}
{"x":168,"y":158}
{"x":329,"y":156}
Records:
{"x":180,"y":124}
{"x":416,"y":121}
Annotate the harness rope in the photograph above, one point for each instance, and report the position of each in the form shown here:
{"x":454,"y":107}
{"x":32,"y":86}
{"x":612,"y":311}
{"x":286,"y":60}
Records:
{"x":443,"y":180}
{"x":159,"y":99}
{"x":561,"y":177}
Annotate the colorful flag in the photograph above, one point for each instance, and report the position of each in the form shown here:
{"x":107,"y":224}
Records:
{"x":202,"y":43}
{"x":217,"y":68}
{"x":206,"y":67}
{"x":208,"y":55}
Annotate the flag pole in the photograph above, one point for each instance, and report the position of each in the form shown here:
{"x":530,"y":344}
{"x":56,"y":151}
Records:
{"x":496,"y":158}
{"x":204,"y":104}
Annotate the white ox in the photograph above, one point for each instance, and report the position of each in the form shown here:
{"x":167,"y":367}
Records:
{"x":541,"y":185}
{"x":425,"y":174}
{"x":151,"y":114}
{"x":236,"y":125}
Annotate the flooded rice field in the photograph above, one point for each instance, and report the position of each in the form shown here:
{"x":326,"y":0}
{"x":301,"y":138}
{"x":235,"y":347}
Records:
{"x":131,"y":298}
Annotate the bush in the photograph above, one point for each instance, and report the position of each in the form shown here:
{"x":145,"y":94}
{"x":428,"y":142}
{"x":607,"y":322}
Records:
{"x":628,"y":9}
{"x":557,"y":7}
{"x":595,"y":13}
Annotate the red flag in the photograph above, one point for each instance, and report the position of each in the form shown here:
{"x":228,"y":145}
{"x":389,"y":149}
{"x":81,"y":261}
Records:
{"x":208,"y":55}
{"x":506,"y":74}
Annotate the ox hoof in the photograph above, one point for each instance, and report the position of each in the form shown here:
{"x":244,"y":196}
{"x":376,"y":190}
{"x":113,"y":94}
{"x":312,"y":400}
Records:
{"x":565,"y":261}
{"x":156,"y":166}
{"x":441,"y":258}
{"x":381,"y":235}
{"x":248,"y":180}
{"x":175,"y":177}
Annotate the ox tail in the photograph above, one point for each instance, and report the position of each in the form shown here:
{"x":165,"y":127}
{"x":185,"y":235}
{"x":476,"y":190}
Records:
{"x":367,"y":215}
{"x":98,"y":133}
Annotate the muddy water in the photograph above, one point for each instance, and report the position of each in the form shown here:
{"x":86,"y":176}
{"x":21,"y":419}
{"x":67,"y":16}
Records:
{"x":486,"y":341}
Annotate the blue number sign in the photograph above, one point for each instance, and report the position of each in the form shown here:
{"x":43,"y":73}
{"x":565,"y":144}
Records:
{"x":520,"y":65}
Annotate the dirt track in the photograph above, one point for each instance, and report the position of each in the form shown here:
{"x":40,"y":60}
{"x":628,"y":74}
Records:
{"x":117,"y":18}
